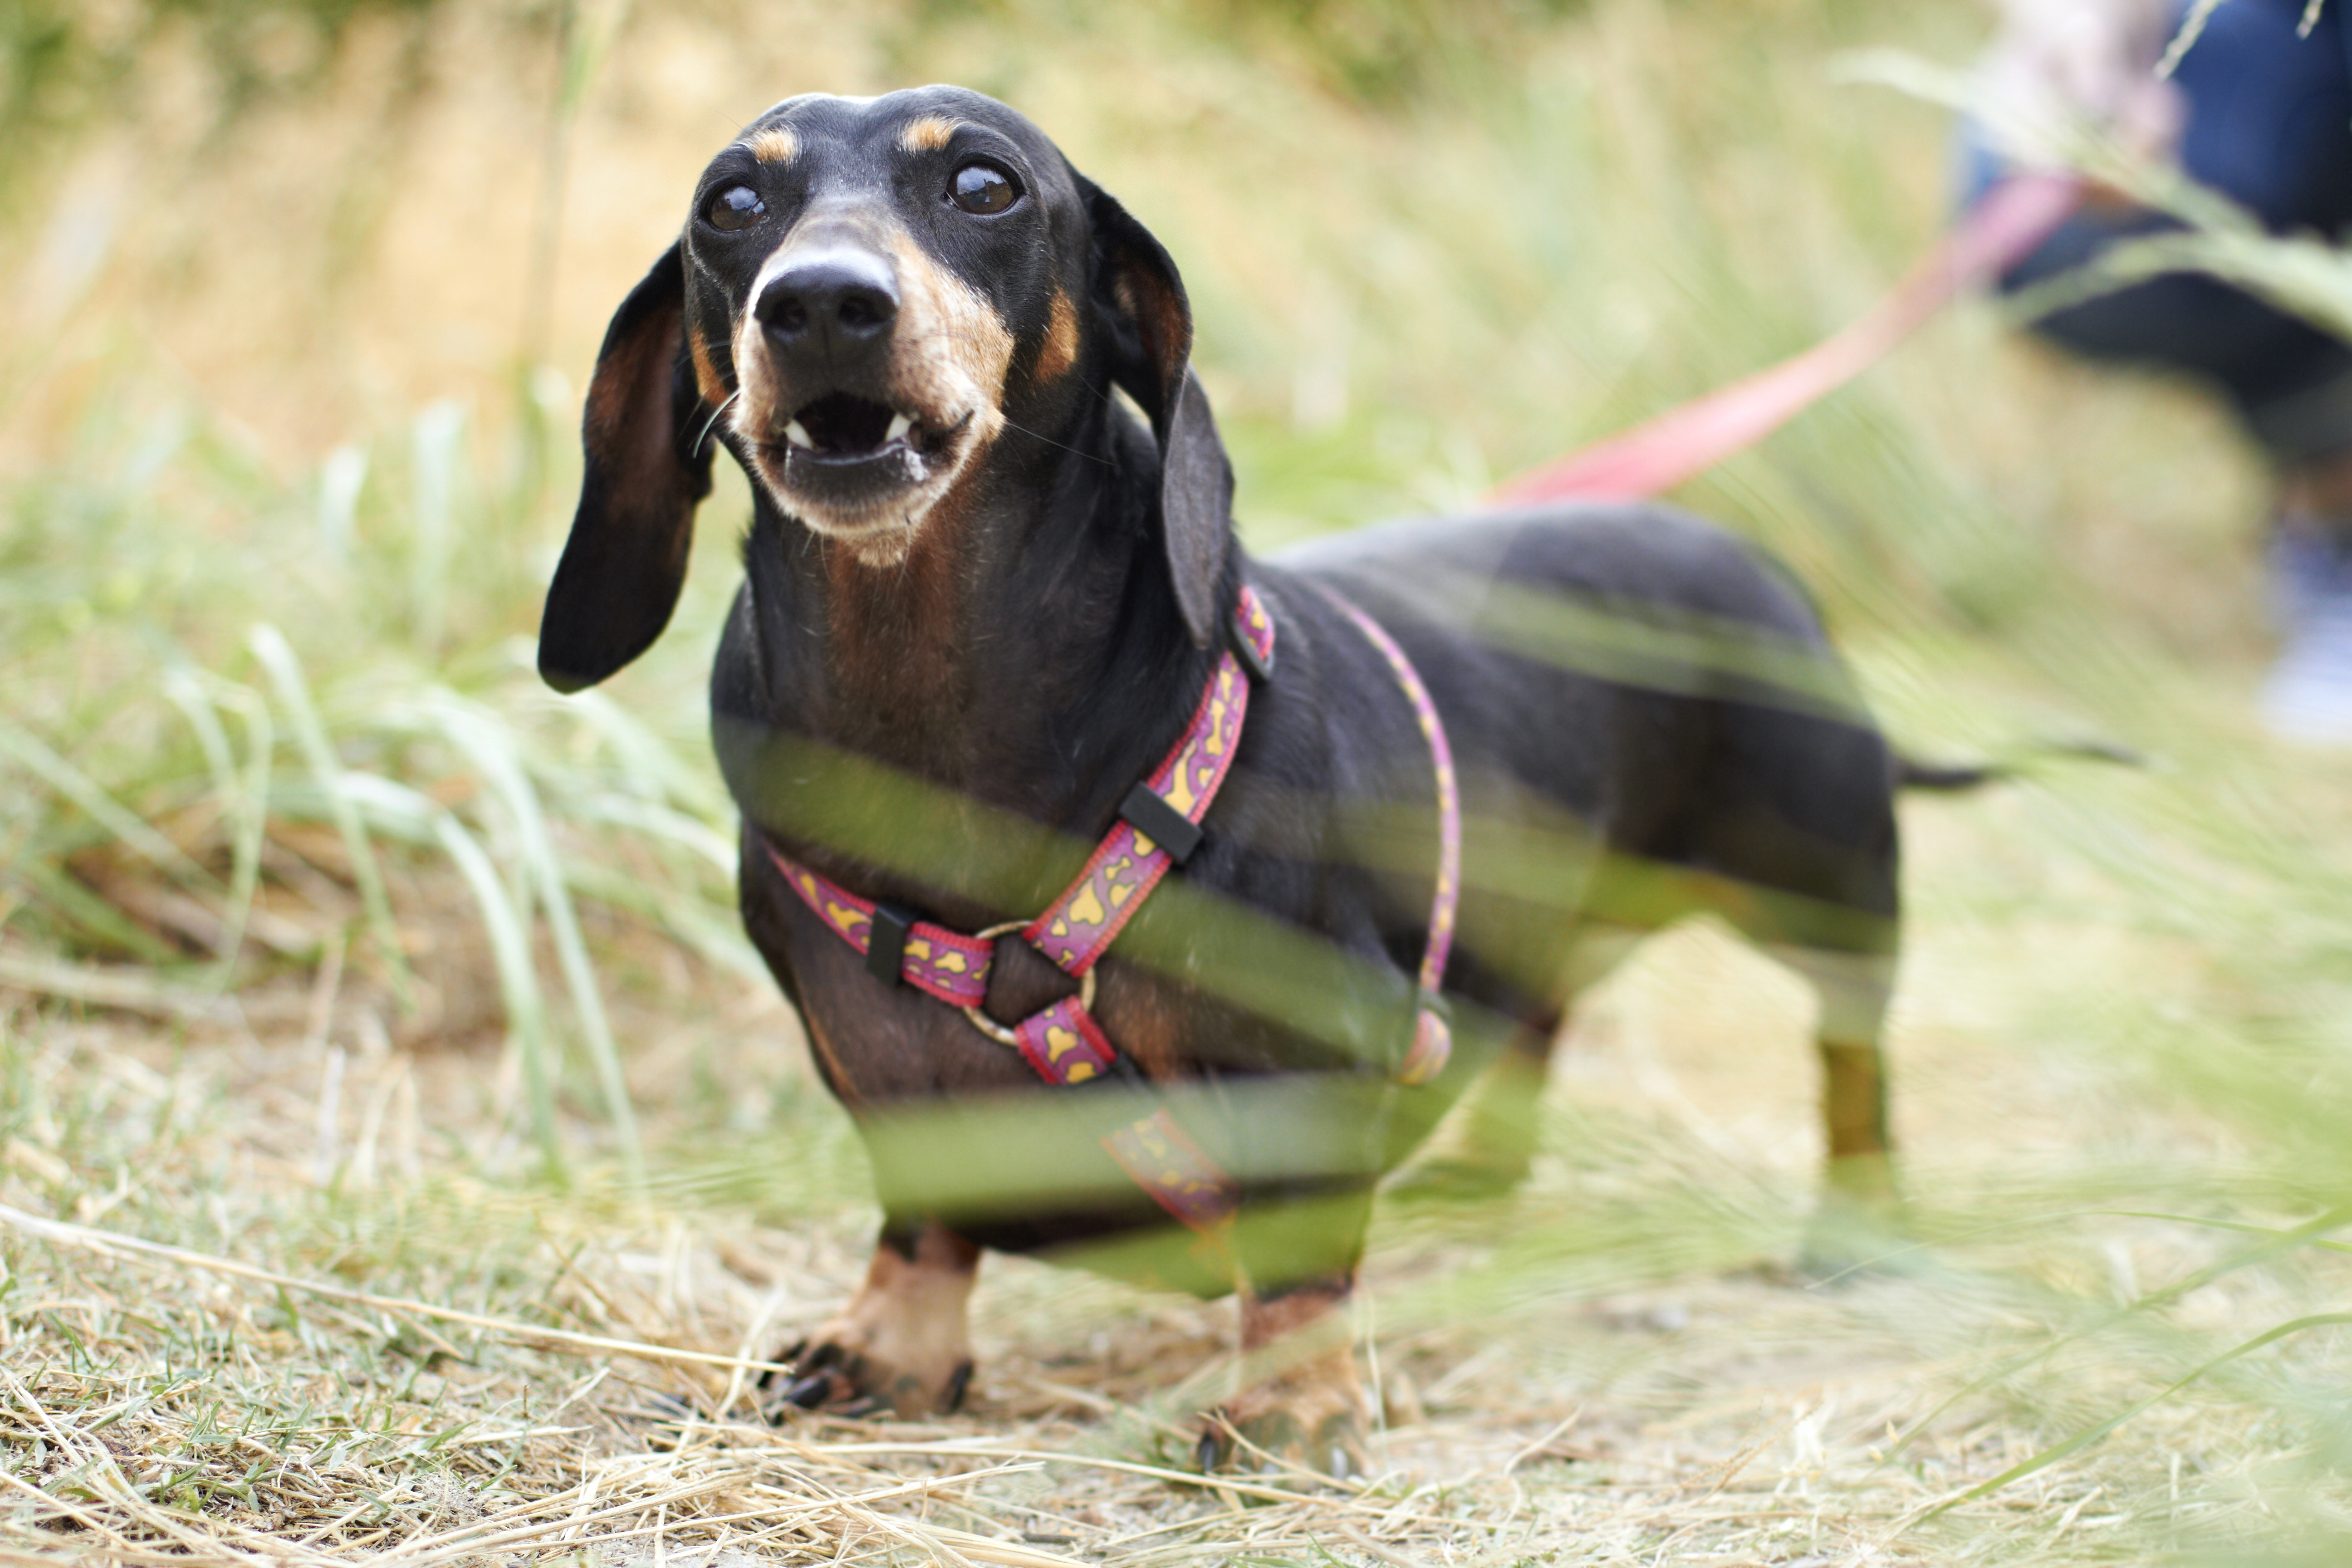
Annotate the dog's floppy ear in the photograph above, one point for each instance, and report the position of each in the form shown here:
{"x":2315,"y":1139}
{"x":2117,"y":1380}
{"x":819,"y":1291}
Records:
{"x":1140,"y":304}
{"x":626,"y":561}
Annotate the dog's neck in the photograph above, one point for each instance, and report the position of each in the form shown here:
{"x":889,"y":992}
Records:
{"x":1027,"y":653}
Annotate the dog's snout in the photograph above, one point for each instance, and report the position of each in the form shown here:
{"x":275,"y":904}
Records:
{"x":838,"y":298}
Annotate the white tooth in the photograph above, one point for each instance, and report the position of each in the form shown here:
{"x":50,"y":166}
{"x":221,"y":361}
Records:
{"x":798,"y":437}
{"x":899,"y":426}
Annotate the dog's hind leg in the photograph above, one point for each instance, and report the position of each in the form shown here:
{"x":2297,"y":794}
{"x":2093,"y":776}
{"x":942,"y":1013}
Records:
{"x":1802,"y":830}
{"x":1491,"y":1141}
{"x":1486,"y":1144}
{"x":1857,"y":1222}
{"x":1853,"y":990}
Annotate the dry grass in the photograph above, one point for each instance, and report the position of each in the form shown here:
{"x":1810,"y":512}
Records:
{"x":1607,"y":1368}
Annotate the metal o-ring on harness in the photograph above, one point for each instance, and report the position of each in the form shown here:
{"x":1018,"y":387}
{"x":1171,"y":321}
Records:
{"x":989,"y":1026}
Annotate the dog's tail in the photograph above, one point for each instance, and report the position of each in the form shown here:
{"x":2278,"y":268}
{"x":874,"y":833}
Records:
{"x":1957,"y":778}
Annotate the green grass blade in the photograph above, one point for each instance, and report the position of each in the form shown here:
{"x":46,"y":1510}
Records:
{"x":490,"y":746}
{"x":78,"y":787}
{"x":432,"y":460}
{"x":411,"y":815}
{"x":269,"y":646}
{"x":2084,"y":1439}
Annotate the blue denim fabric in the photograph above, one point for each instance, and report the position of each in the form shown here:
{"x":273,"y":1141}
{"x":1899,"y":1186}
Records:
{"x":2269,"y":124}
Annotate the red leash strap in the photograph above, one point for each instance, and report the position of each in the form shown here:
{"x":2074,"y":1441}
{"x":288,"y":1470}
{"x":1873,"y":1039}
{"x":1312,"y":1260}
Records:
{"x":2016,"y":217}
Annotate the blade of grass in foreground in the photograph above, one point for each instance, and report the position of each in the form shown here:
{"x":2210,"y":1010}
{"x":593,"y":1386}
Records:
{"x":269,"y":646}
{"x":124,"y":823}
{"x":245,"y":801}
{"x":2084,"y":1439}
{"x":492,"y":749}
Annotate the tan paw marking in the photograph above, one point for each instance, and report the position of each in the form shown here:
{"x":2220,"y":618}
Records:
{"x":902,"y":1343}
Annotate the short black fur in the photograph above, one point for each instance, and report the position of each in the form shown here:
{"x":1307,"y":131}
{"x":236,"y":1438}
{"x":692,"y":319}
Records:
{"x":1045,"y":636}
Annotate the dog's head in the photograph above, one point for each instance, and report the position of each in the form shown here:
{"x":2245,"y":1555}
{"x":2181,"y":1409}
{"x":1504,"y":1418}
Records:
{"x":869,"y":294}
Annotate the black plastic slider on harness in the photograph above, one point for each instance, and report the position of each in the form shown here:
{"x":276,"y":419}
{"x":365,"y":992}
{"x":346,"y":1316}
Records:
{"x":1153,"y":817}
{"x":885,"y":941}
{"x":1237,"y":638}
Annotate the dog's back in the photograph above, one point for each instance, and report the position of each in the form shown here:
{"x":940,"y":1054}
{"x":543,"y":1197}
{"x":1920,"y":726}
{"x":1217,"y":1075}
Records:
{"x":1656,"y":676}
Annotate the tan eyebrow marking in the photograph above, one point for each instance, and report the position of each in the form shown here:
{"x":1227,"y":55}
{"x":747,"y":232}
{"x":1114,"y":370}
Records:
{"x":928,"y":134}
{"x":774,"y":145}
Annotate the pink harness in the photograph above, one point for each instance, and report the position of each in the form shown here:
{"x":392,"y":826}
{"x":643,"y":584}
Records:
{"x":1159,"y":827}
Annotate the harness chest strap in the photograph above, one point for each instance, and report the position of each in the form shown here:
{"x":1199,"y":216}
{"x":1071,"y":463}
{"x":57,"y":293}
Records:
{"x":1159,"y":827}
{"x":1096,"y":907}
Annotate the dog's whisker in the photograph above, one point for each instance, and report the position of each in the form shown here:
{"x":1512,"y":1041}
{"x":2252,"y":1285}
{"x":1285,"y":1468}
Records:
{"x":1064,"y":446}
{"x":712,"y":422}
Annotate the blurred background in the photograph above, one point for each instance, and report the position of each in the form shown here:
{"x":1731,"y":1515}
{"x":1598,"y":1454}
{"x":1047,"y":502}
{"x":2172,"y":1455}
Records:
{"x":330,"y":940}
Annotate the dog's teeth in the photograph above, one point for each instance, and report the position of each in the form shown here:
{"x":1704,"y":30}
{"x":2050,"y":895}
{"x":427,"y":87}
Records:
{"x":899,"y":426}
{"x":798,"y":436}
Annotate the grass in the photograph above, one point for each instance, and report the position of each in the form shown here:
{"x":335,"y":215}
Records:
{"x":333,"y":948}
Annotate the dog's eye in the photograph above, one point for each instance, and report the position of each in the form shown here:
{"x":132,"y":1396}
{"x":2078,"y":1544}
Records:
{"x":738,"y":207}
{"x":983,"y":188}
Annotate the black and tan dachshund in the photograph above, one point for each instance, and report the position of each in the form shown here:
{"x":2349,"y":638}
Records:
{"x":981,"y":599}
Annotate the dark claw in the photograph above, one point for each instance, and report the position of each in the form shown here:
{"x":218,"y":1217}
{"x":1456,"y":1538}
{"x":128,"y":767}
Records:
{"x":811,"y":1391}
{"x":1214,"y":1446}
{"x":958,"y":1384}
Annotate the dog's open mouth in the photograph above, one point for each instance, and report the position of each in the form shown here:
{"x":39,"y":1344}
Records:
{"x":840,"y":427}
{"x":847,"y":464}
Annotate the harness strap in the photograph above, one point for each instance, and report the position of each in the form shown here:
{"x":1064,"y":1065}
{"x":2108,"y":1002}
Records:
{"x":1126,"y":866}
{"x":1432,"y":1036}
{"x":1160,"y":823}
{"x":1159,"y":827}
{"x":932,"y":959}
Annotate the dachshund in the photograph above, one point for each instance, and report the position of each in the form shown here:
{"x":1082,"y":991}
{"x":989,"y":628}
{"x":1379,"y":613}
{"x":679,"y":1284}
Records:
{"x":997,"y":652}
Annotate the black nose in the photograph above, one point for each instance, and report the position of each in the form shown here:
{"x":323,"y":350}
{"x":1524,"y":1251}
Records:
{"x":839,"y":298}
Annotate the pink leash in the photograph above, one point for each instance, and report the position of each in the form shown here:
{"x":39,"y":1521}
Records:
{"x":2014,"y":218}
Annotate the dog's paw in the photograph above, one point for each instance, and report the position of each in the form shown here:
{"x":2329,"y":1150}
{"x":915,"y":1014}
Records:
{"x":901,"y":1345}
{"x":1312,"y":1418}
{"x":842,"y":1369}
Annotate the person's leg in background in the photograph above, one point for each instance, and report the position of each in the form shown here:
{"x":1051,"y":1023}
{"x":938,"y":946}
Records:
{"x":2268,"y":123}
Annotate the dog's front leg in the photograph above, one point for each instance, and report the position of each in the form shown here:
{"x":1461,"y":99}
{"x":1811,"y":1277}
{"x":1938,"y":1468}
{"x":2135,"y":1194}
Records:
{"x":904,"y":1342}
{"x":1302,"y":1401}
